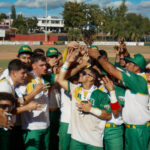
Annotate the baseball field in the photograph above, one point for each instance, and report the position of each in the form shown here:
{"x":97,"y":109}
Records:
{"x":8,"y":52}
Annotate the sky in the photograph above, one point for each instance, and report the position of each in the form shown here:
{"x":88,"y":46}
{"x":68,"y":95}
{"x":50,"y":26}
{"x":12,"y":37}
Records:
{"x":36,"y":8}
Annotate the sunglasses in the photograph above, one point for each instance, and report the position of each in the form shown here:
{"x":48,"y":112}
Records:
{"x":4,"y":106}
{"x":121,"y":58}
{"x":85,"y":73}
{"x":147,"y":70}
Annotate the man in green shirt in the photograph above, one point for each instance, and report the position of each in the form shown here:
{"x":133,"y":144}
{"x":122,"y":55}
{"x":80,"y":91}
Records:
{"x":135,"y":112}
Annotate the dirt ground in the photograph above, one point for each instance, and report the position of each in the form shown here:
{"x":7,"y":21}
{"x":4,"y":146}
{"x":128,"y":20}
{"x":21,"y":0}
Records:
{"x":10,"y":52}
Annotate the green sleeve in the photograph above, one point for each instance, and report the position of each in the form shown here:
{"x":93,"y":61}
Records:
{"x":117,"y":65}
{"x":100,"y":100}
{"x":136,"y":83}
{"x":120,"y":94}
{"x":49,"y":78}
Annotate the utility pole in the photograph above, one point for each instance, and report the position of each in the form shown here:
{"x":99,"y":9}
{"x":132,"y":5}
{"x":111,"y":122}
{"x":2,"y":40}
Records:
{"x":46,"y":22}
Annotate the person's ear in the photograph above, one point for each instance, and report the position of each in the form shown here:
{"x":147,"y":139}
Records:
{"x":33,"y":66}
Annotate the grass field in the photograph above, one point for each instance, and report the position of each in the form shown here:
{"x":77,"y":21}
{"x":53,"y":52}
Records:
{"x":8,"y":52}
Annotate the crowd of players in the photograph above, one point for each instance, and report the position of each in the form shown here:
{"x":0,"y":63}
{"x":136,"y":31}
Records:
{"x":77,"y":100}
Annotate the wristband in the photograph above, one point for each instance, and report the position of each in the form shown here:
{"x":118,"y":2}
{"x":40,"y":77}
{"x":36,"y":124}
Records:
{"x":99,"y":57}
{"x":113,"y":98}
{"x":114,"y":106}
{"x":65,"y":67}
{"x":95,"y":111}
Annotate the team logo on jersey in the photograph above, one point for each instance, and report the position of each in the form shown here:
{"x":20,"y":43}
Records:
{"x":33,"y":86}
{"x":121,"y":98}
{"x":107,"y":106}
{"x":92,"y":101}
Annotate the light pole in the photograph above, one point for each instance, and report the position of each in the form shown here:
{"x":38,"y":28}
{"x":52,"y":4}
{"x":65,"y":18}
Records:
{"x":46,"y":21}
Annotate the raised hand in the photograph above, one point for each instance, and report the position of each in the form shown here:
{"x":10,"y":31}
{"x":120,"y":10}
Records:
{"x":73,"y":45}
{"x":117,"y":49}
{"x":4,"y":120}
{"x":94,"y":53}
{"x":71,"y":56}
{"x":53,"y":62}
{"x":108,"y":83}
{"x":41,"y":87}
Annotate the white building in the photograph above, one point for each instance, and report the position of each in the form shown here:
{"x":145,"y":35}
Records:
{"x":54,"y":24}
{"x":6,"y":23}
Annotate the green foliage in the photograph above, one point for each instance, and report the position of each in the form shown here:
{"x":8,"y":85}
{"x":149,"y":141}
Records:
{"x":20,"y":24}
{"x":74,"y":15}
{"x":32,"y":23}
{"x":115,"y":22}
{"x":3,"y":16}
{"x":13,"y":12}
{"x":74,"y":34}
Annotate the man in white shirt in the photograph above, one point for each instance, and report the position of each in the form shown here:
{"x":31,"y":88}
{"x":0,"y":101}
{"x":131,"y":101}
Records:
{"x":86,"y":128}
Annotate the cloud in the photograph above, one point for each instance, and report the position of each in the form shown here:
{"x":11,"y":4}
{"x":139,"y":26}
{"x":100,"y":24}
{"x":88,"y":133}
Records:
{"x":141,"y":8}
{"x":4,"y":5}
{"x":78,"y":1}
{"x":52,"y":4}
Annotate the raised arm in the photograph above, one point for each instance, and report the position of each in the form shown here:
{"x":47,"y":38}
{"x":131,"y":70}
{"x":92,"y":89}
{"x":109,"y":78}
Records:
{"x":115,"y":107}
{"x":64,"y":69}
{"x":79,"y":67}
{"x":105,"y":64}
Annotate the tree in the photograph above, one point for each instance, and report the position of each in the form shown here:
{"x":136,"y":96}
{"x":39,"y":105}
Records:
{"x":3,"y":16}
{"x":74,"y":14}
{"x":20,"y":24}
{"x":32,"y":23}
{"x":13,"y":12}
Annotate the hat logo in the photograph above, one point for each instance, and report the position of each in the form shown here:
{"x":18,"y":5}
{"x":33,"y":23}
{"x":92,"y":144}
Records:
{"x":53,"y":51}
{"x":26,"y":49}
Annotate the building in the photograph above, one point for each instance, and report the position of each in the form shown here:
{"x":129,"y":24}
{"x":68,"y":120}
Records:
{"x":5,"y":24}
{"x":54,"y":24}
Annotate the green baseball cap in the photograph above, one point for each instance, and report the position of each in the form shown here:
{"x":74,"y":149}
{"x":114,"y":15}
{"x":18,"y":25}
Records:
{"x":137,"y":59}
{"x":94,"y":47}
{"x":25,"y":49}
{"x":52,"y":51}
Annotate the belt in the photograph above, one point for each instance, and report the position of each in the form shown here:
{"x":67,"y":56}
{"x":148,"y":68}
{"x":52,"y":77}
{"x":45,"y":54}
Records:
{"x":108,"y":125}
{"x":137,"y":126}
{"x":53,"y":109}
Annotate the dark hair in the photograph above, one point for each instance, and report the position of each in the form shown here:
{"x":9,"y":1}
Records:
{"x":94,"y":72}
{"x":16,"y":65}
{"x":103,"y":53}
{"x":38,"y":50}
{"x":7,"y":96}
{"x":37,"y":57}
